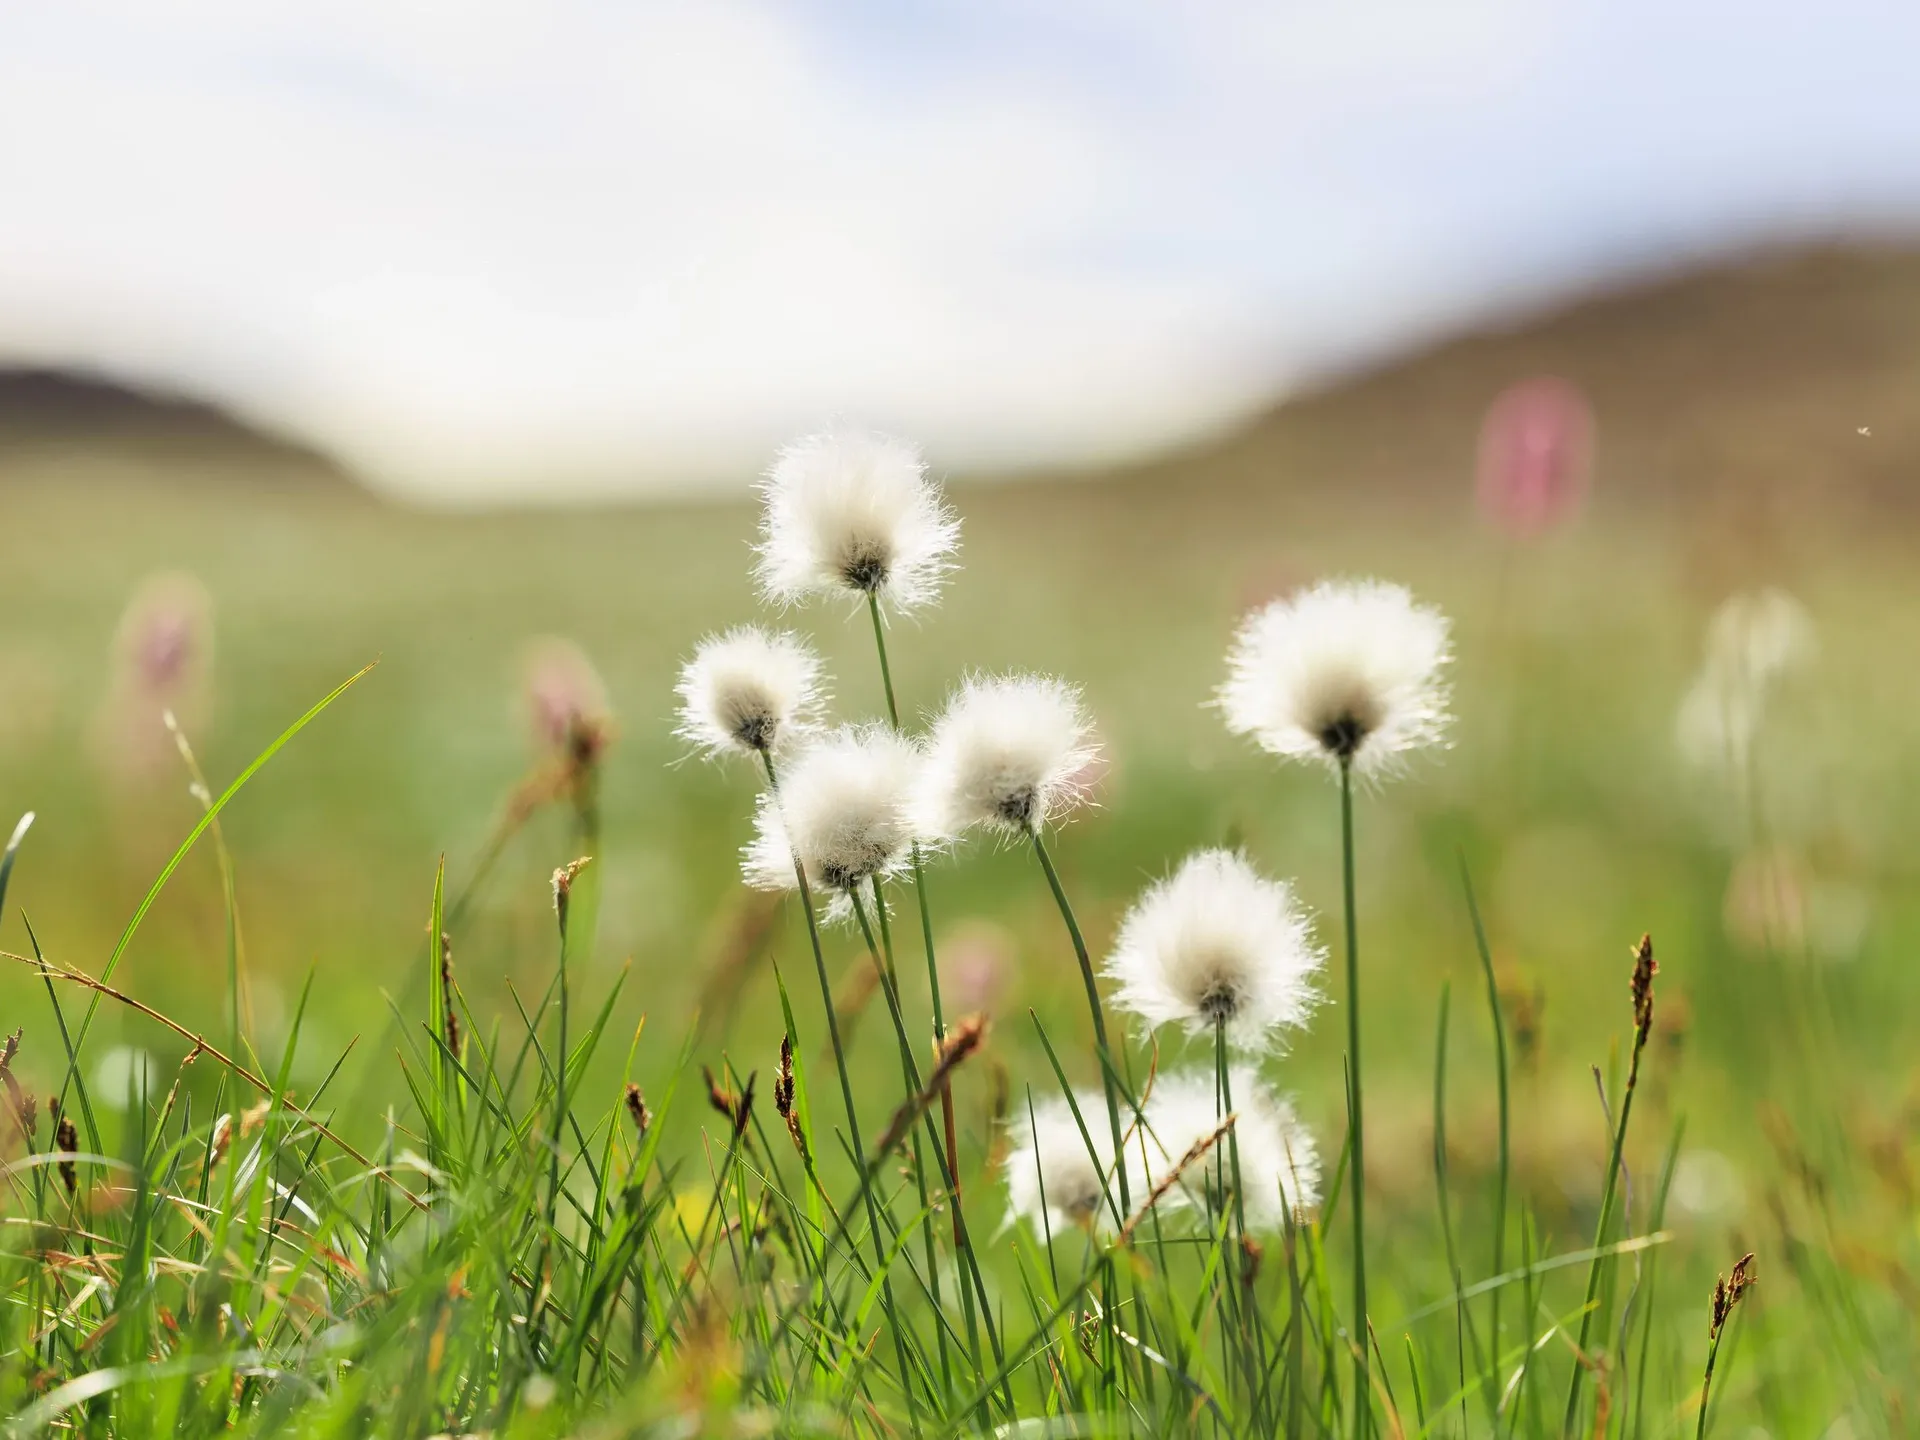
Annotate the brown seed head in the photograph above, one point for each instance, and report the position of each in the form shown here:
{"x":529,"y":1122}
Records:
{"x":968,"y":1034}
{"x":1251,"y":1254}
{"x":737,"y":1108}
{"x":1525,"y":1006}
{"x":1727,"y":1291}
{"x":25,"y":1113}
{"x":963,"y":1040}
{"x":66,"y":1140}
{"x":720,"y":1099}
{"x":446,"y":990}
{"x":1645,"y":967}
{"x":783,"y":1080}
{"x":1088,"y":1332}
{"x":563,"y":879}
{"x":783,"y":1098}
{"x":745,"y":1107}
{"x":637,"y":1108}
{"x":587,"y":739}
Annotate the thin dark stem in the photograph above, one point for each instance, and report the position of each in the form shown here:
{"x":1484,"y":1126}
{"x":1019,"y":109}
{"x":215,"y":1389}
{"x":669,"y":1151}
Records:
{"x":1706,"y":1384}
{"x":1362,"y":1397}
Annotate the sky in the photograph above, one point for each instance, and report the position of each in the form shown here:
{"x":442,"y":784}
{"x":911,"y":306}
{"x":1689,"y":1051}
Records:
{"x":493,"y":252}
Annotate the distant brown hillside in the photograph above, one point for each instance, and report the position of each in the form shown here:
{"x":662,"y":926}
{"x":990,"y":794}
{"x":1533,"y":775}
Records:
{"x":1752,"y":391}
{"x":45,"y":411}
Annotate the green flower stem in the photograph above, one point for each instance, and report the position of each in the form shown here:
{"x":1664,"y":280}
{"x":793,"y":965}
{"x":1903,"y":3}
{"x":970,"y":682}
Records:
{"x":1362,"y":1395}
{"x":1229,"y":1175}
{"x":1107,"y":1072}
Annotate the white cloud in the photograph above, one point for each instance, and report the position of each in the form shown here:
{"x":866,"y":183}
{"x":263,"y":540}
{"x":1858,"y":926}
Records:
{"x":488,"y":249}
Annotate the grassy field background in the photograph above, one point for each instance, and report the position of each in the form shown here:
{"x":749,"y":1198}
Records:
{"x":1788,"y":985}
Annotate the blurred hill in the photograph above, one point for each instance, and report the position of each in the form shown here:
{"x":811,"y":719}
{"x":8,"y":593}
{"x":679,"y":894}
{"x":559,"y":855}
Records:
{"x":49,"y":413}
{"x":1752,"y":394}
{"x":1781,"y":380}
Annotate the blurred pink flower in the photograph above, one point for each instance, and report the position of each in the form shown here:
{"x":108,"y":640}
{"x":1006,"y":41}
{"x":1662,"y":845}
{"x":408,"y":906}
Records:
{"x":976,"y":960}
{"x":566,"y":699}
{"x":1536,"y":456}
{"x":162,"y":661}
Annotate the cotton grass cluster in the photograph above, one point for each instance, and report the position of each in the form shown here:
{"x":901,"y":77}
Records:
{"x":749,"y":691}
{"x":1754,"y":642}
{"x":1348,"y":673}
{"x":1006,"y":755}
{"x":852,"y":512}
{"x":1217,"y":945}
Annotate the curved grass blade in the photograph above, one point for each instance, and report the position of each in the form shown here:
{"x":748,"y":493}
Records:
{"x":208,"y":816}
{"x":13,"y":849}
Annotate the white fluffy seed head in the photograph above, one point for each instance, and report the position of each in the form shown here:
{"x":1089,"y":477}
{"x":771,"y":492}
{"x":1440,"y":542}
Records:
{"x":1006,"y":754}
{"x":843,"y":808}
{"x":1759,"y":636}
{"x":1279,"y":1162}
{"x":1054,"y":1181}
{"x":750,"y":690}
{"x":1345,"y":672}
{"x":852,"y":512}
{"x":1754,"y":642}
{"x":1217,"y":944}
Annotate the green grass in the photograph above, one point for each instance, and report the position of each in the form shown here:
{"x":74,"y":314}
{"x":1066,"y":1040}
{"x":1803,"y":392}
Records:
{"x":433,"y":1278}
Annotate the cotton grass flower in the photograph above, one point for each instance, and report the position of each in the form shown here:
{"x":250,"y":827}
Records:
{"x":1754,"y":642}
{"x":853,"y":512}
{"x":1005,"y":755}
{"x":1216,"y":945}
{"x":1279,"y":1162}
{"x":1761,"y":635}
{"x":1345,"y":672}
{"x":843,"y":809}
{"x":749,"y":691}
{"x":1348,"y":673}
{"x":1055,"y":1182}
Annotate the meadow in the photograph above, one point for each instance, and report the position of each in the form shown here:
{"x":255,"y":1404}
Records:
{"x":484,"y":1241}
